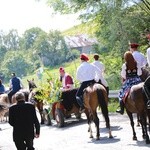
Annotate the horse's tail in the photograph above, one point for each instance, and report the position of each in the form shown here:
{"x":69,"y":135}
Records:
{"x":103,"y":103}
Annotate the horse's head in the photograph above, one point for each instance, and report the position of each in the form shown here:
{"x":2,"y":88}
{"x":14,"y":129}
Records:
{"x":31,"y":84}
{"x":145,"y":73}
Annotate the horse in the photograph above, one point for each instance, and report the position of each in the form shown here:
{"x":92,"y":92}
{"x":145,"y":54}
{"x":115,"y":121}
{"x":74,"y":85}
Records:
{"x":135,"y":102}
{"x":94,"y":96}
{"x":5,"y":103}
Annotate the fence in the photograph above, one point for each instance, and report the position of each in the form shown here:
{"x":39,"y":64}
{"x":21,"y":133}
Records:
{"x":113,"y":93}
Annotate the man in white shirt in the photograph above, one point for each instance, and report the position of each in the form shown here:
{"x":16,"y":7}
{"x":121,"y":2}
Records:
{"x":138,"y":56}
{"x":86,"y":75}
{"x":101,"y":67}
{"x":147,"y":82}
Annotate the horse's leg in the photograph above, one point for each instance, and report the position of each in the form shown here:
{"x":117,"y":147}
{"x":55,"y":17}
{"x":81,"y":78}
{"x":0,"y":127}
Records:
{"x":89,"y":123}
{"x":144,"y":124}
{"x":132,"y":124}
{"x":138,"y":121}
{"x":40,"y":108}
{"x":96,"y":121}
{"x":148,"y":116}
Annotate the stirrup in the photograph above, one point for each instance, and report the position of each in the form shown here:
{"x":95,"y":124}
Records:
{"x":81,"y":110}
{"x":120,"y":111}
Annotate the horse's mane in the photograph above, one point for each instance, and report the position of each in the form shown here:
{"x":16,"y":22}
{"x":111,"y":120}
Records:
{"x":145,"y":73}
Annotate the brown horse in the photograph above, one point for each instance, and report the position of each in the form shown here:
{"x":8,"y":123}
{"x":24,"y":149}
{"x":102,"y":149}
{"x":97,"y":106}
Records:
{"x":94,"y":96}
{"x":135,"y":102}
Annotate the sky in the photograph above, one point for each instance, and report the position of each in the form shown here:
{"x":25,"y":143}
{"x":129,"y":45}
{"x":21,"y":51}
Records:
{"x":25,"y":14}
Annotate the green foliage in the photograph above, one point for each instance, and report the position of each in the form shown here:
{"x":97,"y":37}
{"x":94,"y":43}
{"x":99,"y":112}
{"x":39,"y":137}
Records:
{"x":49,"y":91}
{"x":15,"y":62}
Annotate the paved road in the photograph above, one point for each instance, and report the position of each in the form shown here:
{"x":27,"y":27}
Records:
{"x":74,"y":136}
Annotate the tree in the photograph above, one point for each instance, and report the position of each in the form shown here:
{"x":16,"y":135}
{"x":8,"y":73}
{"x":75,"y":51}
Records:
{"x":116,"y":21}
{"x":30,"y":36}
{"x":51,"y":48}
{"x":15,"y":62}
{"x":11,"y":40}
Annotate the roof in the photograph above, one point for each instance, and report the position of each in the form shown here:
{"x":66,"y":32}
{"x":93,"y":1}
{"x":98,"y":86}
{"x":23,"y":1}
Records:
{"x":81,"y":40}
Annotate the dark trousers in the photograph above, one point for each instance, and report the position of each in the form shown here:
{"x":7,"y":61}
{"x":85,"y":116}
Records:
{"x":10,"y":94}
{"x":24,"y":144}
{"x":79,"y":94}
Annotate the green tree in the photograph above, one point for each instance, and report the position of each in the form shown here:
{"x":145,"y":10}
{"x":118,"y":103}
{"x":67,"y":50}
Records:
{"x":51,"y":48}
{"x":116,"y":22}
{"x":15,"y":62}
{"x":11,"y":40}
{"x":30,"y":36}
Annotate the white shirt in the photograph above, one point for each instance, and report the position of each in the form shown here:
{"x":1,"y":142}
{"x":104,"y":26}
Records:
{"x":87,"y":72}
{"x":148,"y":56}
{"x":101,"y":66}
{"x":124,"y":67}
{"x":140,"y":58}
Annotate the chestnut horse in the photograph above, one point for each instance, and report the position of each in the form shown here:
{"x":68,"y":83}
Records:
{"x":94,"y":96}
{"x":135,"y":102}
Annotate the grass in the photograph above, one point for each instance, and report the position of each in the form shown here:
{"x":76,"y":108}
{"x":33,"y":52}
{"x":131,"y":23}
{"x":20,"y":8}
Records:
{"x":113,"y":105}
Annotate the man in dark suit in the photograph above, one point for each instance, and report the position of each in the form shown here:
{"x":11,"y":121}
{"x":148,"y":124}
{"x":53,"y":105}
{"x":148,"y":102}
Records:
{"x":22,"y":116}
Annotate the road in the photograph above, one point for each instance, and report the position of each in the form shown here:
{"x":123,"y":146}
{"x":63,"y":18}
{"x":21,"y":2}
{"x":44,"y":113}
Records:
{"x":74,"y":136}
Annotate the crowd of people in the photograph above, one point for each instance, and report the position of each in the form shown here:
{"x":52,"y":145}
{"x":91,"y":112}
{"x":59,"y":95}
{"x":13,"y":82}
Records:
{"x":26,"y":128}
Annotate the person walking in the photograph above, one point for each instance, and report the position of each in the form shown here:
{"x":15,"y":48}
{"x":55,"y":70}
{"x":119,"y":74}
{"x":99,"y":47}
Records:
{"x":86,"y":75}
{"x":23,"y":119}
{"x":131,"y":70}
{"x":15,"y":86}
{"x":101,"y":67}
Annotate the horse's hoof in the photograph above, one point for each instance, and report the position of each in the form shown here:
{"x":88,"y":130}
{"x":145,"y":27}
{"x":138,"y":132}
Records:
{"x":91,"y":136}
{"x":147,"y":141}
{"x":135,"y":138}
{"x":144,"y":136}
{"x":97,"y":138}
{"x":111,"y":137}
{"x":42,"y":122}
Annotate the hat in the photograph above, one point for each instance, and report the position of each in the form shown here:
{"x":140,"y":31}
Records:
{"x":134,"y":45}
{"x":84,"y":57}
{"x":19,"y":96}
{"x":61,"y":69}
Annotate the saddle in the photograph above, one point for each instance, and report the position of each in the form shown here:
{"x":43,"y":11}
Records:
{"x":126,"y":95}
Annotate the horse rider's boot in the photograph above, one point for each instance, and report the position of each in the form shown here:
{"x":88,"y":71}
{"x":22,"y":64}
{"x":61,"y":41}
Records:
{"x":147,"y":93}
{"x":121,"y":110}
{"x":80,"y":102}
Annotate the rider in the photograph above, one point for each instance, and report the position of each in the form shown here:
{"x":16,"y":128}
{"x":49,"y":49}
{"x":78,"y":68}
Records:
{"x":86,"y":74}
{"x":15,"y":86}
{"x":131,"y":70}
{"x":138,"y":56}
{"x":147,"y":81}
{"x":101,"y":66}
{"x":66,"y":79}
{"x":2,"y":87}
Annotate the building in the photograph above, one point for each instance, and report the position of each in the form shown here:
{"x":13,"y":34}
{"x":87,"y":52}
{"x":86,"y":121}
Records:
{"x":81,"y":42}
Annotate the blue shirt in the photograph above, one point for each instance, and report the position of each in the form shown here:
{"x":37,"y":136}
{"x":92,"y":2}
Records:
{"x":2,"y":89}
